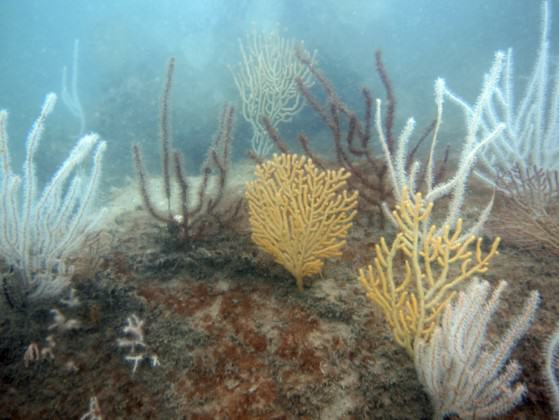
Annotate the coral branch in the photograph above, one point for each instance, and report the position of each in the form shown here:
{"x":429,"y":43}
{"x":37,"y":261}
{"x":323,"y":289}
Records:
{"x":299,"y":214}
{"x":466,"y":373}
{"x":184,"y":219}
{"x":165,"y":131}
{"x":413,"y":295}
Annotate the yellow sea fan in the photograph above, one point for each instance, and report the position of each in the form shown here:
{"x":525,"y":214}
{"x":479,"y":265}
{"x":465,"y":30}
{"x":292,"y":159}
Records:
{"x":413,"y":279}
{"x":298,"y":213}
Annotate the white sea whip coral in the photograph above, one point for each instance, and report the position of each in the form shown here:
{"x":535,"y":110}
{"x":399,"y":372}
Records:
{"x":38,"y":232}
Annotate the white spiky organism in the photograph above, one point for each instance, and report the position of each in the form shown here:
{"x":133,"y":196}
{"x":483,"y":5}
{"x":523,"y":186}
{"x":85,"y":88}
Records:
{"x":550,"y":373}
{"x":465,"y":372}
{"x":134,"y":340}
{"x":531,"y":137}
{"x":39,"y":230}
{"x":61,"y":324}
{"x":94,"y":412}
{"x":404,"y":176}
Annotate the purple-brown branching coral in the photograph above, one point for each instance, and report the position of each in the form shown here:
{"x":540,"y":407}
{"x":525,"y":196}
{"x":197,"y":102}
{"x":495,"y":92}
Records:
{"x":189,"y":212}
{"x":352,"y":135}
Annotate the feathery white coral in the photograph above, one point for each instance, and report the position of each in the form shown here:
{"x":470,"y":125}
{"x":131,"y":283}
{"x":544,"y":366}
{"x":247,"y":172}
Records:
{"x":463,"y":373}
{"x":39,"y":231}
{"x":551,"y":359}
{"x":404,"y":176}
{"x":531,"y":137}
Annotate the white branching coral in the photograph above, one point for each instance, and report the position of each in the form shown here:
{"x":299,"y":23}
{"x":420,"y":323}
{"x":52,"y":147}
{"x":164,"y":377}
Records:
{"x":463,"y":372}
{"x":405,"y":177}
{"x":134,"y":340}
{"x":94,"y":412}
{"x":35,"y":354}
{"x":40,"y":230}
{"x":134,"y":331}
{"x":551,"y":368}
{"x":267,"y":83}
{"x":531,"y":137}
{"x":61,"y":324}
{"x":72,"y":301}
